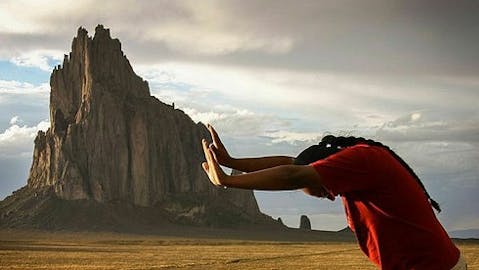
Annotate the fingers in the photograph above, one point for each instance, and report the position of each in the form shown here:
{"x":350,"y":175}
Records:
{"x":205,"y":166}
{"x":214,"y":136}
{"x":210,"y":166}
{"x":203,"y":144}
{"x":213,"y":149}
{"x":206,"y":151}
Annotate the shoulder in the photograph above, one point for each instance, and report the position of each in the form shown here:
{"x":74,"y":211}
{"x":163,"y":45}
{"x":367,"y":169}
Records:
{"x":365,"y":149}
{"x":361,"y":155}
{"x":357,"y":150}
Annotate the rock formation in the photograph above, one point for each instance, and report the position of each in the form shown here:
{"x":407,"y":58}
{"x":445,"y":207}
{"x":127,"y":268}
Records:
{"x":304,"y":223}
{"x":110,"y":141}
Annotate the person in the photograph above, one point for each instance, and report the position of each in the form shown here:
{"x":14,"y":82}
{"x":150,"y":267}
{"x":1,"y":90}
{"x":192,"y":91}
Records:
{"x":386,"y":205}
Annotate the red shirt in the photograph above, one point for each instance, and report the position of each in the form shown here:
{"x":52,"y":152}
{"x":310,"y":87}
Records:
{"x":387,"y":209}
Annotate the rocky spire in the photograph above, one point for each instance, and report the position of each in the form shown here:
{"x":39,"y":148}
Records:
{"x":92,"y":60}
{"x":110,"y":140}
{"x":304,"y":223}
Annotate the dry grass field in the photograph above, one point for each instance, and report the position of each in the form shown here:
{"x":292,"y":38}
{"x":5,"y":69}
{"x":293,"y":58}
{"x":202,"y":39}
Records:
{"x":43,"y":250}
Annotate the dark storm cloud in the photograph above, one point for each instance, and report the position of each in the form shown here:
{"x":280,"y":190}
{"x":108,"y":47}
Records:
{"x":394,"y":37}
{"x":371,"y":36}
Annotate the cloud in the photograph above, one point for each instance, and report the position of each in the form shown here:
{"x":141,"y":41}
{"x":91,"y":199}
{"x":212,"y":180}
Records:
{"x":299,"y":107}
{"x":211,"y":26}
{"x":15,"y":120}
{"x":17,"y":141}
{"x":22,"y":88}
{"x":29,"y":102}
{"x":294,"y":138}
{"x":42,"y":59}
{"x":299,"y":96}
{"x":432,"y":126}
{"x":237,"y":122}
{"x":369,"y":37}
{"x":26,"y":101}
{"x":213,"y":36}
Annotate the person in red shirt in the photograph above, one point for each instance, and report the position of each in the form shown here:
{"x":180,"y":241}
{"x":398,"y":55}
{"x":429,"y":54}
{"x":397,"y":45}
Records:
{"x":386,"y":205}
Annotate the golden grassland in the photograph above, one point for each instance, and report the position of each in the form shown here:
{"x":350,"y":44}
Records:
{"x":63,"y":250}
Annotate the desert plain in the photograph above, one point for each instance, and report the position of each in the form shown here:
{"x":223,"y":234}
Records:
{"x":29,"y":249}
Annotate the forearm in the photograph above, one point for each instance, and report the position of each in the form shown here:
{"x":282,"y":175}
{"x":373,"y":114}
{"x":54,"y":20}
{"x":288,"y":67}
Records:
{"x":285,"y":177}
{"x":256,"y":164}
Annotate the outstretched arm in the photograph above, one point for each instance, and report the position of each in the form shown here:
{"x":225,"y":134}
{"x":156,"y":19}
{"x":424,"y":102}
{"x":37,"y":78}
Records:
{"x":221,"y":155}
{"x":259,"y":163}
{"x":283,"y":177}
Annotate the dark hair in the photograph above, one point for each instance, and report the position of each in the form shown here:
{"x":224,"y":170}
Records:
{"x":331,"y":144}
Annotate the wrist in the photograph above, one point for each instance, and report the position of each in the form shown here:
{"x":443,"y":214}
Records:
{"x":225,"y":180}
{"x":229,"y":162}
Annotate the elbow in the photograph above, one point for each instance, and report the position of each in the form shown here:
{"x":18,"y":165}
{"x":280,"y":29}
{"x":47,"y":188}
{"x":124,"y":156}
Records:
{"x":305,"y":176}
{"x":299,"y":177}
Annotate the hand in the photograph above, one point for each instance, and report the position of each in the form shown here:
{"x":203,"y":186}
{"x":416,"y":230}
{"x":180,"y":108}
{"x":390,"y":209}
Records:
{"x":218,"y":150}
{"x":211,"y":166}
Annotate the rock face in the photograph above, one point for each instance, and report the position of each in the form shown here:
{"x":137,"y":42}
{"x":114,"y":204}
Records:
{"x":304,"y":223}
{"x":110,"y":141}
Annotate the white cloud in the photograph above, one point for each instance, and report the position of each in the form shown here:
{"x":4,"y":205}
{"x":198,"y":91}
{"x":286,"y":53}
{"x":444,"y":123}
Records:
{"x":236,"y":122}
{"x":294,"y":138}
{"x":304,"y":105}
{"x":22,"y":95}
{"x":22,"y":88}
{"x":310,"y":96}
{"x":450,"y":161}
{"x":432,"y":125}
{"x":18,"y":140}
{"x":206,"y":117}
{"x":15,"y":120}
{"x":37,"y":58}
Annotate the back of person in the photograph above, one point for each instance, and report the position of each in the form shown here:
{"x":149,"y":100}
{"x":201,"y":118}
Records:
{"x":387,"y":209}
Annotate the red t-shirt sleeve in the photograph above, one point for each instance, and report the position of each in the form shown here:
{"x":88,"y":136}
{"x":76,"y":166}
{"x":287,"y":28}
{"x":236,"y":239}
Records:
{"x":346,"y":171}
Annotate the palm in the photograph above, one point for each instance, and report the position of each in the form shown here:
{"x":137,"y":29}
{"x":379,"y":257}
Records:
{"x":211,"y":166}
{"x":219,"y":152}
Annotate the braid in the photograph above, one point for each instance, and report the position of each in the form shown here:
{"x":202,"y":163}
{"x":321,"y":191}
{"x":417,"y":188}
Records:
{"x":341,"y":142}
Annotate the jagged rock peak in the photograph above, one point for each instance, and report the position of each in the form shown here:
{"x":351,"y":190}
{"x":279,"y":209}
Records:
{"x":82,"y":31}
{"x":93,"y":67}
{"x":102,"y":31}
{"x":104,"y":58}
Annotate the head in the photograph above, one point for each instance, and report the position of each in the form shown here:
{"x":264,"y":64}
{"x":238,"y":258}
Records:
{"x":330,"y":145}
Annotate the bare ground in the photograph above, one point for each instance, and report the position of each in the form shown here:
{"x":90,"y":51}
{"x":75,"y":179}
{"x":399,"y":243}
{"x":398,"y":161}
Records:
{"x":67,"y":250}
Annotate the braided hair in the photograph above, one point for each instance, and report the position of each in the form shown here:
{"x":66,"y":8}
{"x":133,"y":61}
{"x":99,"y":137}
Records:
{"x":331,"y":144}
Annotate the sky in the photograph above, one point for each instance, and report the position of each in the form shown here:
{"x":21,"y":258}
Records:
{"x":273,"y":77}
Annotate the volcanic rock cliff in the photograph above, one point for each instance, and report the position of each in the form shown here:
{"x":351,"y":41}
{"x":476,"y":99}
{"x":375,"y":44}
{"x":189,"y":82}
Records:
{"x":111,"y":142}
